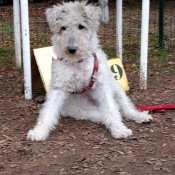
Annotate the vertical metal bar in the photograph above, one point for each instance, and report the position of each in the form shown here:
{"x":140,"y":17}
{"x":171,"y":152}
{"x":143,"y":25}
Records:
{"x":161,"y":23}
{"x":144,"y":44}
{"x":17,"y":34}
{"x":119,"y":28}
{"x":105,"y":12}
{"x":26,"y":49}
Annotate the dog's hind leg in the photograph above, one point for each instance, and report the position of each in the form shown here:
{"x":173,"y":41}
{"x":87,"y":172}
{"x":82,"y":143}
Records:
{"x":49,"y":116}
{"x":110,"y":115}
{"x":127,"y":107}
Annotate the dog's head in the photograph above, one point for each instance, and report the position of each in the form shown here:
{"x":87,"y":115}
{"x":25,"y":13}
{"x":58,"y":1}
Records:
{"x":57,"y":15}
{"x":74,"y":26}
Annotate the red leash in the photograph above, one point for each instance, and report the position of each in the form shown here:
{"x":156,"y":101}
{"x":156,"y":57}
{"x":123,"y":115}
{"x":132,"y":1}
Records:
{"x":157,"y":108}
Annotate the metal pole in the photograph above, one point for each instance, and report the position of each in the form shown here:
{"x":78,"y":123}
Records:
{"x":119,"y":29}
{"x":144,"y":44}
{"x":161,"y":23}
{"x":105,"y":11}
{"x":26,"y":49}
{"x":17,"y":34}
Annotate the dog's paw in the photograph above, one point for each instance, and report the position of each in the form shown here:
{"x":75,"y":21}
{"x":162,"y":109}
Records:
{"x":121,"y":132}
{"x":37,"y":134}
{"x":144,"y":117}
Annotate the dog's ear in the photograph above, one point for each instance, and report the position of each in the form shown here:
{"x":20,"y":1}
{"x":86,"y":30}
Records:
{"x":54,"y":16}
{"x":93,"y":15}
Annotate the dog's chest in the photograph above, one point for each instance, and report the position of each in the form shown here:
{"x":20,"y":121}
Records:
{"x":72,"y":77}
{"x":79,"y":77}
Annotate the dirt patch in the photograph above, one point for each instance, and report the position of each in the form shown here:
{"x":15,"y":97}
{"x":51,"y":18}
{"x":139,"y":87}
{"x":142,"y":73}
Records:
{"x":83,"y":147}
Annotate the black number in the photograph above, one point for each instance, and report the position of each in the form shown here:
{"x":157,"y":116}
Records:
{"x":117,"y":69}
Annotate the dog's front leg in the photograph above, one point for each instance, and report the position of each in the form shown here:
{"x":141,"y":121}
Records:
{"x":49,"y":115}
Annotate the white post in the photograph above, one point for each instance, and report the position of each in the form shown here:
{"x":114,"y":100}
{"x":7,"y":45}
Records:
{"x":17,"y":34}
{"x":119,"y":29}
{"x":144,"y":44}
{"x":105,"y":11}
{"x":26,"y":49}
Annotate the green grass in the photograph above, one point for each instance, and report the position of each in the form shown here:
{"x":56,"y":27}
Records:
{"x":6,"y":60}
{"x":131,"y":50}
{"x":4,"y":52}
{"x":109,"y":50}
{"x":158,"y":55}
{"x":7,"y":27}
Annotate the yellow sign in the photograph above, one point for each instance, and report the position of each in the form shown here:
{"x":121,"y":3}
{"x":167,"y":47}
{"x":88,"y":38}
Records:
{"x":44,"y":57}
{"x":116,"y":67}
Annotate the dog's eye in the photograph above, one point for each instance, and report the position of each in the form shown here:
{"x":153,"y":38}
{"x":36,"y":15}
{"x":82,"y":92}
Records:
{"x":63,"y":28}
{"x":81,"y":27}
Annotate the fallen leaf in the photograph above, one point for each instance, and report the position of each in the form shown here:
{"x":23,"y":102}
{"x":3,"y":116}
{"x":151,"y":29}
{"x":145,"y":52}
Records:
{"x":158,"y":163}
{"x":156,"y":168}
{"x":96,"y":147}
{"x":165,"y":144}
{"x":151,"y":130}
{"x":100,"y":163}
{"x":3,"y":141}
{"x":93,"y":167}
{"x":120,"y":152}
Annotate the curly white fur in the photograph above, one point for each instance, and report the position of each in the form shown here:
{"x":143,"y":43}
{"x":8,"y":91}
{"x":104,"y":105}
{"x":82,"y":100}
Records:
{"x":75,"y":26}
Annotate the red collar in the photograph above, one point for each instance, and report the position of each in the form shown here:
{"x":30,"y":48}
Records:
{"x":92,"y":80}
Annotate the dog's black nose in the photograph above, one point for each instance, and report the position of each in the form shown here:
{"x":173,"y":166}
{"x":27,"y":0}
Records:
{"x":72,"y":49}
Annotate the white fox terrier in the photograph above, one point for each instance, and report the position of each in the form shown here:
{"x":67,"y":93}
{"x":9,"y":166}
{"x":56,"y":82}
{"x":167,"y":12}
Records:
{"x":82,"y":86}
